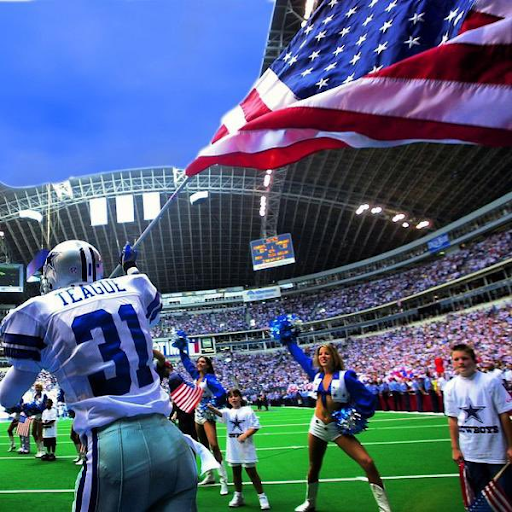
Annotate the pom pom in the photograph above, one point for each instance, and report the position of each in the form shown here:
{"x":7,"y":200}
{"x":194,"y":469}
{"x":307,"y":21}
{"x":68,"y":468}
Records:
{"x":285,"y":328}
{"x":32,"y":408}
{"x":13,"y":410}
{"x":204,"y":403}
{"x":180,"y":341}
{"x":350,"y":421}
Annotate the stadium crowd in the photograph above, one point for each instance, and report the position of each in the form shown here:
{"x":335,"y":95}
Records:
{"x":349,"y":299}
{"x":406,"y":356}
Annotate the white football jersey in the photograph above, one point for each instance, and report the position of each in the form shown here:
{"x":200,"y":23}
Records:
{"x":96,"y":340}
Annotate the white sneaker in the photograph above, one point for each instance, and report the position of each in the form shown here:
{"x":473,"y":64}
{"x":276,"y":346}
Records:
{"x":224,"y":491}
{"x":38,"y":455}
{"x":12,"y":448}
{"x":237,"y":501}
{"x":264,"y":504}
{"x":307,"y":506}
{"x":77,"y":458}
{"x":209,"y":479}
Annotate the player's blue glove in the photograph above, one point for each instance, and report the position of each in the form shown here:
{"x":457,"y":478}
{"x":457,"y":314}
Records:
{"x":128,"y":257}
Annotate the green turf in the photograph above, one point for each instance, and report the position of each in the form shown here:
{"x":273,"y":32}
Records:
{"x":412,"y":453}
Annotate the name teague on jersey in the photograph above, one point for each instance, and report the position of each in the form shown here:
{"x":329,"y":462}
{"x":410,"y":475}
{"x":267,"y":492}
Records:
{"x":95,"y":338}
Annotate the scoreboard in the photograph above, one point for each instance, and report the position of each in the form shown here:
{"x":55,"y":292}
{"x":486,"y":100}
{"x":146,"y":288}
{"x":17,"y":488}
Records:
{"x":272,"y":252}
{"x":11,"y":278}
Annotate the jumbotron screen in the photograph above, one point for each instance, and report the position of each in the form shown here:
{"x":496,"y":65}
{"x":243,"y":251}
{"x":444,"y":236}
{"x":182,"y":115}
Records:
{"x":11,"y":278}
{"x":272,"y":252}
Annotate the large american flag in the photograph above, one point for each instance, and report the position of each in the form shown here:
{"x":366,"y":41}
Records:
{"x":377,"y":73}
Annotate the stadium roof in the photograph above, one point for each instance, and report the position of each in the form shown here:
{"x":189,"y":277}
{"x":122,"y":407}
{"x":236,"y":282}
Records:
{"x":207,"y":246}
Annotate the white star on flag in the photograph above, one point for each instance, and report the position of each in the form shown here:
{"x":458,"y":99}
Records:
{"x":355,"y":58}
{"x":322,"y":82}
{"x":380,"y":49}
{"x":416,"y":18}
{"x":412,"y":41}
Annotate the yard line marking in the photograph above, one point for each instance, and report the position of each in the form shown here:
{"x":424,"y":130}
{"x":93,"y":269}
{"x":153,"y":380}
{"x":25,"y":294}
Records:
{"x":24,"y":457}
{"x":23,"y":491}
{"x":270,"y":448}
{"x":268,"y":425}
{"x":269,"y":482}
{"x":444,"y":425}
{"x":296,"y":447}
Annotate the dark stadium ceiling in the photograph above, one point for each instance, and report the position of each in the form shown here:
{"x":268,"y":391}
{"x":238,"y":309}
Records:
{"x":207,"y":246}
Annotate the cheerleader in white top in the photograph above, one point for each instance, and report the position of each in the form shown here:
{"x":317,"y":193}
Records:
{"x":213,"y":393}
{"x":343,"y":406}
{"x":241,"y":425}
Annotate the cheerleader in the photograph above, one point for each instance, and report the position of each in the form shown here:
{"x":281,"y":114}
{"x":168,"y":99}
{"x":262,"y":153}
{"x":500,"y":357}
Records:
{"x":204,"y":376}
{"x":335,"y":389}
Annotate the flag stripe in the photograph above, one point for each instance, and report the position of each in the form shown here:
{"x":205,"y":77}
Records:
{"x":253,"y":106}
{"x":477,"y":69}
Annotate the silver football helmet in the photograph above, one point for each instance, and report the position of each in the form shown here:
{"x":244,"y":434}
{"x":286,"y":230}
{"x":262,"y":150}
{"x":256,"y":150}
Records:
{"x":69,"y":263}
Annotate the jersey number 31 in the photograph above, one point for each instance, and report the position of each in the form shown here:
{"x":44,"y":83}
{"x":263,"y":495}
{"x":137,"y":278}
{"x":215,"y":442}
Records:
{"x":111,"y":350}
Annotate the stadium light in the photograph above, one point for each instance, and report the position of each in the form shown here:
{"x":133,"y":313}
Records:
{"x":362,"y":209}
{"x":405,"y":224}
{"x":31,"y":214}
{"x":423,"y":224}
{"x":2,"y":234}
{"x":398,"y":217}
{"x":376,"y":209}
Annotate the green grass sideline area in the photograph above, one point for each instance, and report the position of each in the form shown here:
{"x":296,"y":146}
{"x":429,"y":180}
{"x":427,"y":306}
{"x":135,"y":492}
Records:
{"x":412,"y":452}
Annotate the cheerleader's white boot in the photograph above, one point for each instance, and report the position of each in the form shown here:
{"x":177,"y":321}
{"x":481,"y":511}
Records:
{"x":379,"y":493}
{"x":310,"y":503}
{"x":223,"y":479}
{"x":209,"y":479}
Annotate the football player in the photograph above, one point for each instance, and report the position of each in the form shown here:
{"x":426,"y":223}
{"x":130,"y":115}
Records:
{"x":93,"y":334}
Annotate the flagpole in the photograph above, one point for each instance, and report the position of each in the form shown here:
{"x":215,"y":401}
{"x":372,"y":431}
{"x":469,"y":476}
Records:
{"x":150,"y":226}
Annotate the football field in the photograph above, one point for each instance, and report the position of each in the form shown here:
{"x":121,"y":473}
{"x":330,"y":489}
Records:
{"x":412,"y":452}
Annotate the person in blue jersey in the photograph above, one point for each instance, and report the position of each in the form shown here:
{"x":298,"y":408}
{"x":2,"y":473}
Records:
{"x":93,"y":334}
{"x":335,"y":388}
{"x":205,"y":420}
